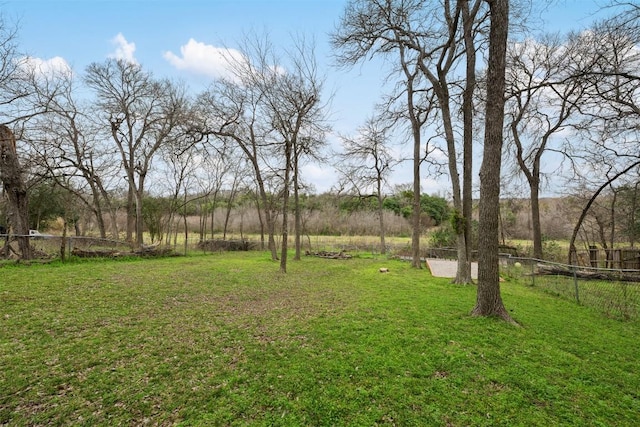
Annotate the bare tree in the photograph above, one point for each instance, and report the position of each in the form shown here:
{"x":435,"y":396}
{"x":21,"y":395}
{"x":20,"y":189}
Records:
{"x":542,"y":100}
{"x":489,"y":300}
{"x":365,"y":165}
{"x":179,"y":171}
{"x":142,"y":114}
{"x":292,"y":95}
{"x":271,"y":109}
{"x":219,"y":165}
{"x":414,"y":106}
{"x":612,"y":111}
{"x":18,"y":102}
{"x":231,"y":112}
{"x":612,"y":176}
{"x":376,"y":28}
{"x":473,"y":20}
{"x":435,"y":35}
{"x":67,"y":146}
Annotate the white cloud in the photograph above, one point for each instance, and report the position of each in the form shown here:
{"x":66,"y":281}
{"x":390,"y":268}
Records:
{"x":123,"y":49}
{"x":205,"y":59}
{"x":46,"y":67}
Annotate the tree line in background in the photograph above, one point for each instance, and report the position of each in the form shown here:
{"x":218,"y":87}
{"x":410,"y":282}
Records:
{"x":115,"y":136}
{"x":236,"y":213}
{"x":614,"y":219}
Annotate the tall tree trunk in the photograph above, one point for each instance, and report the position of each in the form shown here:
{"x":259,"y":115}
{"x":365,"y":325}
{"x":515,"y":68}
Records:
{"x":261,"y":221}
{"x":468,"y":19}
{"x":139,"y":220}
{"x":488,"y":299}
{"x":417,"y":160}
{"x":113,"y":214}
{"x":227,"y":215}
{"x":15,"y":190}
{"x":463,"y":272}
{"x":535,"y":221}
{"x":98,"y":212}
{"x":285,"y":208}
{"x":184,"y":221}
{"x":296,"y":205}
{"x":131,"y":223}
{"x":202,"y":220}
{"x":270,"y":220}
{"x":632,"y":217}
{"x":383,"y":244}
{"x":268,"y":217}
{"x":416,"y":231}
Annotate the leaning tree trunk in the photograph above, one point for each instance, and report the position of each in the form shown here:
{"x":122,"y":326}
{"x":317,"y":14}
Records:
{"x":585,"y":210}
{"x":15,"y":190}
{"x":488,"y":300}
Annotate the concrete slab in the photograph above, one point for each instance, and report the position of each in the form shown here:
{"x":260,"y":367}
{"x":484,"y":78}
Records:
{"x":447,"y":268}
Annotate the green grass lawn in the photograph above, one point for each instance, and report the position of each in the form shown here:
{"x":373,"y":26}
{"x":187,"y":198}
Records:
{"x":227,"y":340}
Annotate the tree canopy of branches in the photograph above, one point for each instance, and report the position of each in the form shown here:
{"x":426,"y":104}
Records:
{"x":432,"y":38}
{"x":272,"y":110}
{"x":142,"y":114}
{"x":66,"y":148}
{"x":611,"y":112}
{"x":542,"y":100}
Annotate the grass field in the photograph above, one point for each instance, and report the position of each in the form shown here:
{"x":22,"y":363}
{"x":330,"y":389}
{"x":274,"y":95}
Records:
{"x":227,"y":340}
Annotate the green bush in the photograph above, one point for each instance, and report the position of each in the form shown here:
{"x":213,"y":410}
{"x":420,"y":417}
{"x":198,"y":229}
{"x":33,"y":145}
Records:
{"x":443,"y":237}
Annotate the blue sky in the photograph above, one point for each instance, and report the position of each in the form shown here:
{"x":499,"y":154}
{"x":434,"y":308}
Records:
{"x":170,"y":38}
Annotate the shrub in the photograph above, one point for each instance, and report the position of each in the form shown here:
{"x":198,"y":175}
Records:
{"x":443,"y":237}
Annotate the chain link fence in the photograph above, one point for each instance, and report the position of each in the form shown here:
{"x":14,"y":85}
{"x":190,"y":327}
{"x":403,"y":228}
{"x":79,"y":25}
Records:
{"x":614,"y":292}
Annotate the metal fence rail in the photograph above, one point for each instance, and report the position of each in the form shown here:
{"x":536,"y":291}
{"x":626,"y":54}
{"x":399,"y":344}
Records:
{"x":614,"y":292}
